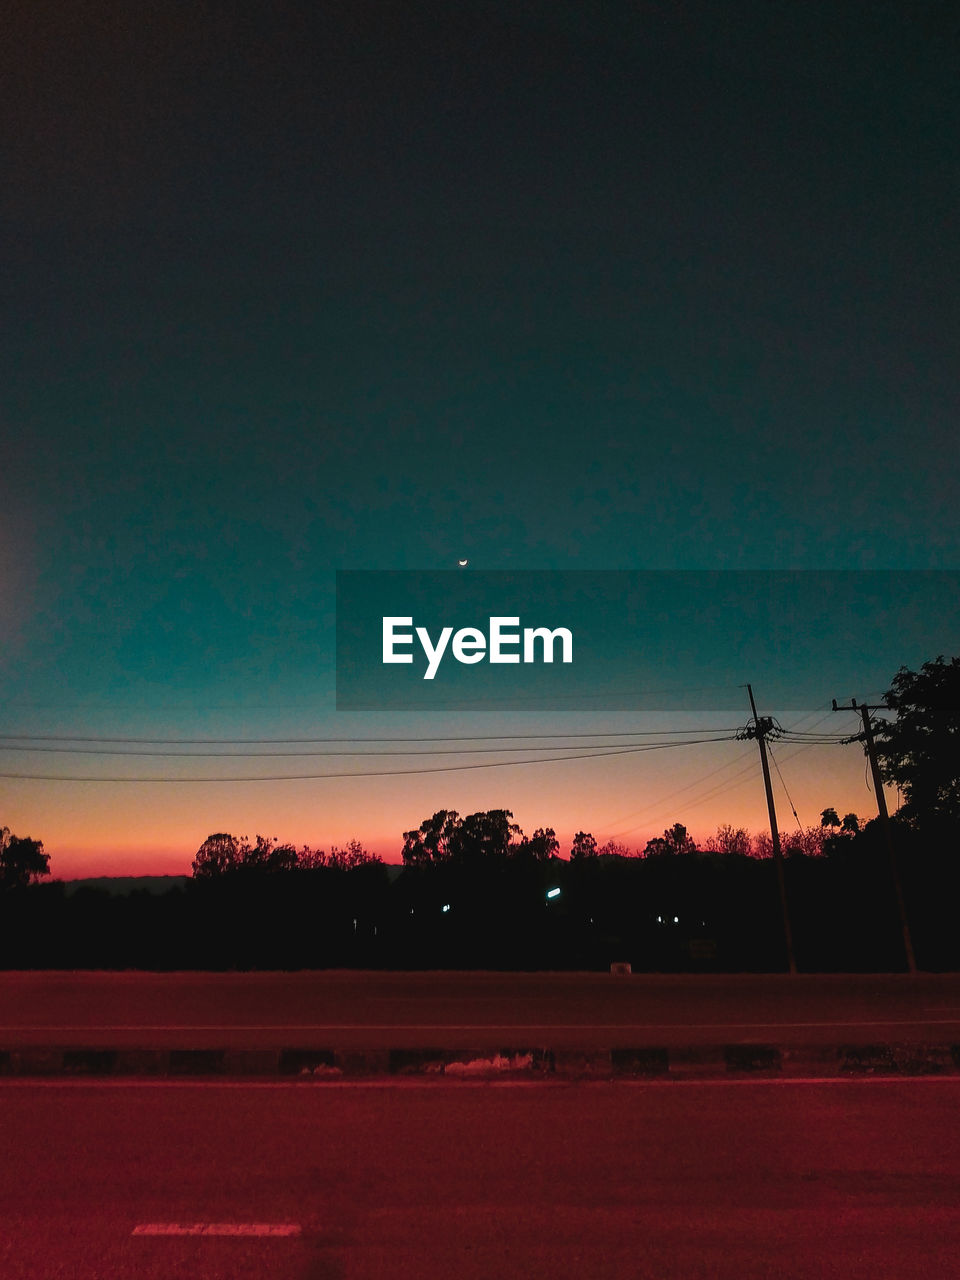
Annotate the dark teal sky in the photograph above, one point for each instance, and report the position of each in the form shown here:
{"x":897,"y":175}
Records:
{"x":297,"y":287}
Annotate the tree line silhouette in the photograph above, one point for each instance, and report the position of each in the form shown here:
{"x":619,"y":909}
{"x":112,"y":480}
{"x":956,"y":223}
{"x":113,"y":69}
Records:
{"x":476,"y":892}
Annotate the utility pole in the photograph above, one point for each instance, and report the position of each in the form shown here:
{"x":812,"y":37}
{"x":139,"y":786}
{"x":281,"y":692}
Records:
{"x":885,"y":824}
{"x":759,"y":730}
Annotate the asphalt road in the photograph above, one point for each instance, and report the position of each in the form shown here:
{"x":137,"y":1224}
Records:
{"x":449,"y":1010}
{"x":851,"y":1179}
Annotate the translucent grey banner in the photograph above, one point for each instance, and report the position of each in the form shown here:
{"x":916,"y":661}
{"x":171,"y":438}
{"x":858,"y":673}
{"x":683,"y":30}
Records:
{"x":634,"y":640}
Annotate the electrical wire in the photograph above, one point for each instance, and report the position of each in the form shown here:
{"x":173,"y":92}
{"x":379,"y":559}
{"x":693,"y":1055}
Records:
{"x":784,"y":785}
{"x":487,"y":702}
{"x":615,"y":827}
{"x":299,"y":706}
{"x":374,"y":773}
{"x":478,"y":737}
{"x":734,"y":783}
{"x":295,"y":755}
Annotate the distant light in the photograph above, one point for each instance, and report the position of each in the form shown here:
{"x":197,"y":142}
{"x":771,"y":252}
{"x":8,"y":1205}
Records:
{"x":659,"y":919}
{"x":553,"y":893}
{"x":676,"y":919}
{"x":445,"y":907}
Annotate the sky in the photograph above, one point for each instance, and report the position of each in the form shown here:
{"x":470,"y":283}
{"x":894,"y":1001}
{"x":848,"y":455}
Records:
{"x":300,"y":288}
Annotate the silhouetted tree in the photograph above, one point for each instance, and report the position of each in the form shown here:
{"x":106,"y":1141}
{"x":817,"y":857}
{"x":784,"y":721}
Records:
{"x":541,"y":846}
{"x":584,"y":846}
{"x":920,"y":749}
{"x":224,"y":854}
{"x":354,"y":855}
{"x":310,"y":859}
{"x":22,"y":860}
{"x":267,"y":855}
{"x":674,"y":840}
{"x":431,"y":841}
{"x":808,"y":842}
{"x":217,"y":855}
{"x":762,"y":845}
{"x":831,"y":822}
{"x":729,"y":839}
{"x":484,"y":837}
{"x":614,"y":849}
{"x":477,"y":838}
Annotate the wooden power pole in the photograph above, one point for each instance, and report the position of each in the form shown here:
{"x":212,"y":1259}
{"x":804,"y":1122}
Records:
{"x":885,"y":824}
{"x":759,"y":730}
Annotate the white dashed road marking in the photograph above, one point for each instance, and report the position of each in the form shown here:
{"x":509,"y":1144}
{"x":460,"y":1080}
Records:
{"x":217,"y":1229}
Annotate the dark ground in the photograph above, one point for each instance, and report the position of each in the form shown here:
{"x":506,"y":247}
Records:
{"x":858,"y":1180}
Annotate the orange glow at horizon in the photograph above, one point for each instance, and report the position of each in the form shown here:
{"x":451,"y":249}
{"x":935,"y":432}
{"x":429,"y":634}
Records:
{"x":155,"y":829}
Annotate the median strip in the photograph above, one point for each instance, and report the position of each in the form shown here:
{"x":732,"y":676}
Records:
{"x":532,"y":1061}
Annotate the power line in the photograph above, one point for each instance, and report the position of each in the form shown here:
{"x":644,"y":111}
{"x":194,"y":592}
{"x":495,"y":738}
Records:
{"x":731,"y":784}
{"x":374,"y":773}
{"x":246,"y":708}
{"x":510,"y":700}
{"x":785,"y":791}
{"x":809,"y":734}
{"x":657,"y":805}
{"x":294,"y":755}
{"x":478,"y":737}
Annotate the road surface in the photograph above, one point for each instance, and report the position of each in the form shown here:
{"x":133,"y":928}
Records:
{"x":448,"y":1010}
{"x":858,"y":1180}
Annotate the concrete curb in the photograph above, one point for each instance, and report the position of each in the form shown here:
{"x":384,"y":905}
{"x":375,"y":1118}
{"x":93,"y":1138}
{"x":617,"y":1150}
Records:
{"x":643,"y":1062}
